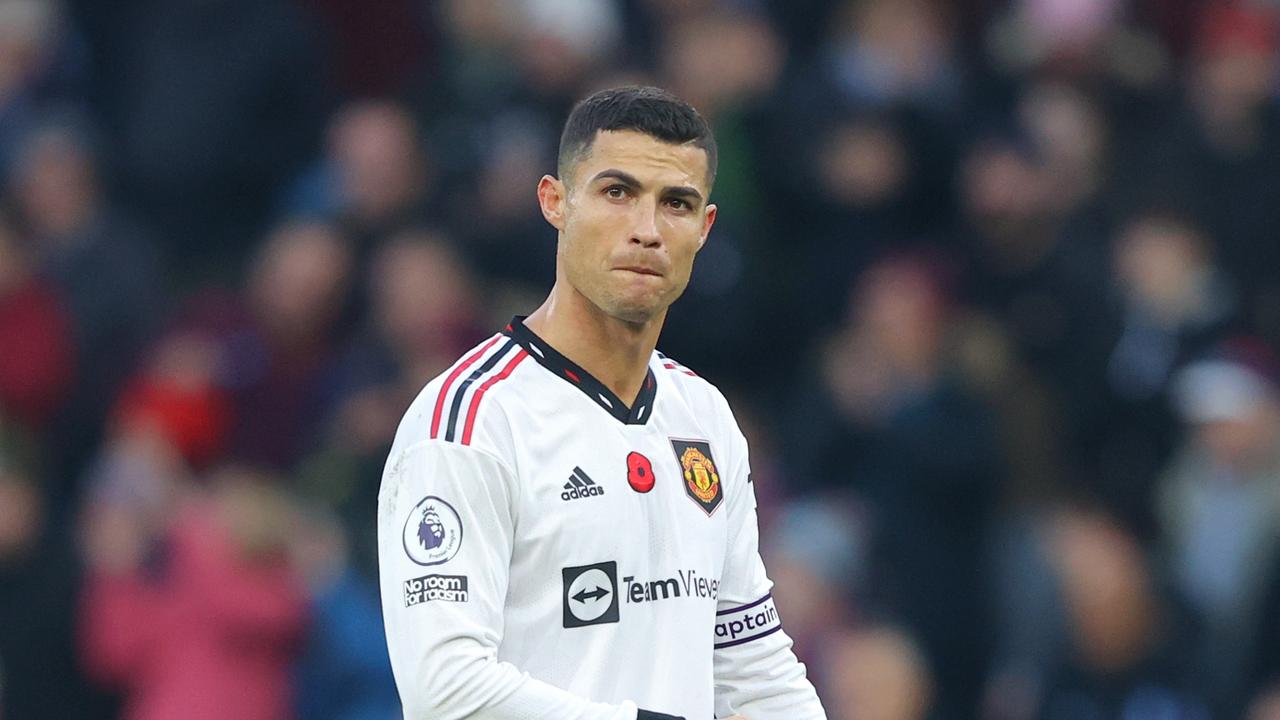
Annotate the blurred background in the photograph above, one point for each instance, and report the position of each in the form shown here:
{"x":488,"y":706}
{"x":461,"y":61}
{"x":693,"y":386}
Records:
{"x":995,"y":293}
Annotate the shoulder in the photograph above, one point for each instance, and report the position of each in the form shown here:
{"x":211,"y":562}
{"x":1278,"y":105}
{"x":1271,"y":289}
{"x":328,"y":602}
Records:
{"x":700,"y":394}
{"x":463,"y":405}
{"x":688,"y":383}
{"x":452,"y":441}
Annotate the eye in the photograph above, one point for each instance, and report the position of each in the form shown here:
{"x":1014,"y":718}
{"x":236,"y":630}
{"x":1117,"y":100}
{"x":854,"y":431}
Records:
{"x":679,"y":204}
{"x":615,"y":192}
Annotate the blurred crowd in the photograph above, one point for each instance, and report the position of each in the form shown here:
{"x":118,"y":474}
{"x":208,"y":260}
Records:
{"x":995,"y":293}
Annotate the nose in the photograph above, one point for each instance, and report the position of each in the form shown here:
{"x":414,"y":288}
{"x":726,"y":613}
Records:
{"x":644,"y":228}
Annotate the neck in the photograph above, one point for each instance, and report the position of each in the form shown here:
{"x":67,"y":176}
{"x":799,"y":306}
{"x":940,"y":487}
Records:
{"x":615,"y":352}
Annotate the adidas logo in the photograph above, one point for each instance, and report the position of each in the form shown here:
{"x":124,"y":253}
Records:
{"x":580,"y":486}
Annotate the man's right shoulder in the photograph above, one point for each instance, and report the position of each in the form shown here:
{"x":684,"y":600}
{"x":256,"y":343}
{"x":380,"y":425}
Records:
{"x":458,"y":406}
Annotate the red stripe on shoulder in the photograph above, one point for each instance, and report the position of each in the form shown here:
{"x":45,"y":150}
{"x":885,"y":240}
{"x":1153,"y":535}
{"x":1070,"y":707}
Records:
{"x":448,"y":381}
{"x":475,"y":399}
{"x":679,"y":368}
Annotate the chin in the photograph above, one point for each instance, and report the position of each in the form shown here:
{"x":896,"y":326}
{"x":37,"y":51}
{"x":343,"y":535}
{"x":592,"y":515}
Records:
{"x":637,"y":306}
{"x":637,"y":313}
{"x":635,"y":316}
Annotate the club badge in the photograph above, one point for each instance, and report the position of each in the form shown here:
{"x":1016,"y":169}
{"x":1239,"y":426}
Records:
{"x":701,"y":480}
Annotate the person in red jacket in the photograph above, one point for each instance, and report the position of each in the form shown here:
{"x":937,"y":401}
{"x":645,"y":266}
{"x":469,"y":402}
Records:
{"x":36,"y":367}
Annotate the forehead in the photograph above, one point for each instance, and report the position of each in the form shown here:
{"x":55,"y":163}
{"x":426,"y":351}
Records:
{"x":648,"y":159}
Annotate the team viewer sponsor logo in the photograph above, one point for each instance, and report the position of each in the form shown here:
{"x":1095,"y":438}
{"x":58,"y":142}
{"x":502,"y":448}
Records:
{"x":432,"y":532}
{"x":590,"y":594}
{"x":739,"y":625}
{"x":686,"y":583}
{"x":445,"y":588}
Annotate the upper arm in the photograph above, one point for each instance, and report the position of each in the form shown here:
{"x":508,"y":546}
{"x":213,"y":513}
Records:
{"x":445,"y":528}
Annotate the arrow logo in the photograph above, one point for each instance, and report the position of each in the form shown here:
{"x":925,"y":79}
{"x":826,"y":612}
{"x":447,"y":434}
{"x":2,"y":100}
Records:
{"x":590,"y":594}
{"x":596,"y":594}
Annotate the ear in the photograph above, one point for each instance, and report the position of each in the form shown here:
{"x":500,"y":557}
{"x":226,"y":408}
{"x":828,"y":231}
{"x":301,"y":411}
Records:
{"x":708,"y":221}
{"x":552,"y":198}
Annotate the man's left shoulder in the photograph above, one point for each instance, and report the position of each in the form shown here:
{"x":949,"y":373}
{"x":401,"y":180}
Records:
{"x":695,"y":389}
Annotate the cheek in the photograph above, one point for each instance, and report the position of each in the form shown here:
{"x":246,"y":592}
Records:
{"x":588,"y":232}
{"x":684,"y":248}
{"x":582,"y":254}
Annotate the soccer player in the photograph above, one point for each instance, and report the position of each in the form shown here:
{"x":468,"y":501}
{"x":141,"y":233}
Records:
{"x":566,"y":526}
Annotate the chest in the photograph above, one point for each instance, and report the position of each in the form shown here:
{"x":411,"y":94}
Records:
{"x":651,"y":497}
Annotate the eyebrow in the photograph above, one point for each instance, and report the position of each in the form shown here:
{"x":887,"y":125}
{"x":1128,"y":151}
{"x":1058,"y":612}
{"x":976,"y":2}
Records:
{"x":681,"y":191}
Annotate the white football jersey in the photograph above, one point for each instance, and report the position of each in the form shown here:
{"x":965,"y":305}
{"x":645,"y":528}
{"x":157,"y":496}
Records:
{"x":547,"y":551}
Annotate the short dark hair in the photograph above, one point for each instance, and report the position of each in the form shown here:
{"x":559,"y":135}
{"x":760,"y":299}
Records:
{"x":649,"y":110}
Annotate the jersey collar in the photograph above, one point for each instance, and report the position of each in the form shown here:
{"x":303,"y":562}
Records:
{"x":569,"y":371}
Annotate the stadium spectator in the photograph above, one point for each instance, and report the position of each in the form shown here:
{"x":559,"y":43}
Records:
{"x":818,"y":560}
{"x":1050,"y":295}
{"x":1046,"y":293}
{"x":103,"y":266}
{"x":1080,"y":39}
{"x":40,"y":673}
{"x":280,"y":351}
{"x":892,"y":423}
{"x":36,"y":71}
{"x":1220,"y":503}
{"x":865,"y":206}
{"x":375,"y":177}
{"x":1215,"y":153}
{"x":179,"y":395}
{"x":1030,"y":632}
{"x":879,"y":674}
{"x":882,"y":53}
{"x":1129,"y":653}
{"x":37,"y":365}
{"x":1176,"y":303}
{"x":207,"y":108}
{"x":343,"y":671}
{"x":375,"y":50}
{"x":203,"y":619}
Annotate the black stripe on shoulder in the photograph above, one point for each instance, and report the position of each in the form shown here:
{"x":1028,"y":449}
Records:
{"x":456,"y":408}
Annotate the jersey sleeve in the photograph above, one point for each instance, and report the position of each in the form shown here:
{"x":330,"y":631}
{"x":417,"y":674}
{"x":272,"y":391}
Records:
{"x":756,"y":673}
{"x":446,"y":518}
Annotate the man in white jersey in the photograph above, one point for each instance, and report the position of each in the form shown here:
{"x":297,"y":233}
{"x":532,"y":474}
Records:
{"x":566,"y":526}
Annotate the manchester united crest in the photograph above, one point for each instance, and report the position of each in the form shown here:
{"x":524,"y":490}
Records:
{"x":701,"y":479}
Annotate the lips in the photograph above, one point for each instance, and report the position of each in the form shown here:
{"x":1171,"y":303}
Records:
{"x":639,"y":270}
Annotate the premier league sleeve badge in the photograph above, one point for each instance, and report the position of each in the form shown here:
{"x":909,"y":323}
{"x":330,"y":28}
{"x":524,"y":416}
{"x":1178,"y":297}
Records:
{"x":433,"y":532}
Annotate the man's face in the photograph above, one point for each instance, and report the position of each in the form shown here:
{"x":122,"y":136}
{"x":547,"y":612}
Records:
{"x":632,"y":213}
